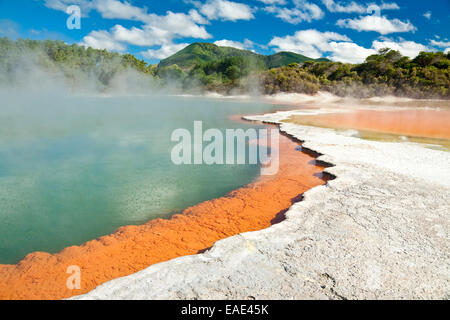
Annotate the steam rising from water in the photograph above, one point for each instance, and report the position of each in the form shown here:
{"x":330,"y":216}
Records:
{"x":35,"y":71}
{"x":79,"y":158}
{"x":74,"y":167}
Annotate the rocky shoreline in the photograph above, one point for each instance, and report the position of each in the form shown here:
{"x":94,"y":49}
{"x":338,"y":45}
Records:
{"x":380,"y":230}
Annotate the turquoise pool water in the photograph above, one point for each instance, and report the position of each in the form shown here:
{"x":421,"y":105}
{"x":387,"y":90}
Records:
{"x":76,"y":168}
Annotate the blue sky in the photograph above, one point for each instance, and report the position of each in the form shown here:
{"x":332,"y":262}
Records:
{"x":346,"y":31}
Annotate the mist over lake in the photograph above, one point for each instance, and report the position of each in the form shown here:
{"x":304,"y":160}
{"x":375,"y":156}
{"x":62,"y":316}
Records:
{"x":73,"y":168}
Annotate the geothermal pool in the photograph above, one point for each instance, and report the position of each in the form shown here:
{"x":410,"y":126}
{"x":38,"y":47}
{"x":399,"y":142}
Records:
{"x":426,"y":126}
{"x":76,"y":168}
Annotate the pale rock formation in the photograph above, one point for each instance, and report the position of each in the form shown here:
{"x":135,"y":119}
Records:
{"x":380,"y":230}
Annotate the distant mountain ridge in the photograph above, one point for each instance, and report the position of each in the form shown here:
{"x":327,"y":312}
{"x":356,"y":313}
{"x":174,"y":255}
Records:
{"x":198,"y":52}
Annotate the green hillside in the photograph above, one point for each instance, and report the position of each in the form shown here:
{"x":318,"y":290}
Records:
{"x":199,"y":53}
{"x":79,"y":65}
{"x":286,"y":58}
{"x":208,"y":67}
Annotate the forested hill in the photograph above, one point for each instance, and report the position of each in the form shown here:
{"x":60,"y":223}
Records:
{"x":225,"y":70}
{"x":385,"y":73}
{"x":200,"y":53}
{"x":286,"y":58}
{"x":19,"y":59}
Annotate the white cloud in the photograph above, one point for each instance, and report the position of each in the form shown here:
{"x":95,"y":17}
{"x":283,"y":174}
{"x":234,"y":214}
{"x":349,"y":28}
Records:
{"x":113,"y":9}
{"x":440,"y":44}
{"x":140,"y":37}
{"x":116,"y":9}
{"x":354,"y":7}
{"x":272,"y":2}
{"x":165,"y":51}
{"x":389,"y":6}
{"x":349,"y":52}
{"x":351,"y":7}
{"x":178,"y":24}
{"x":157,"y":30}
{"x":197,"y":17}
{"x":380,"y":24}
{"x":304,"y":11}
{"x":109,"y":9}
{"x":247,"y":44}
{"x":61,"y":5}
{"x":229,"y":43}
{"x":338,"y":47}
{"x":407,"y":48}
{"x":311,"y":43}
{"x":160,"y":30}
{"x":102,"y":40}
{"x":427,"y":15}
{"x":225,"y":10}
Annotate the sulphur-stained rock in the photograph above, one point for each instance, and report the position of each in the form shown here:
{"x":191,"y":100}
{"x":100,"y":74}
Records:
{"x":380,"y":230}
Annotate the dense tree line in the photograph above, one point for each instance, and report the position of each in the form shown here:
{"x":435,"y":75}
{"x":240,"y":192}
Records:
{"x":385,"y":73}
{"x":76,"y":63}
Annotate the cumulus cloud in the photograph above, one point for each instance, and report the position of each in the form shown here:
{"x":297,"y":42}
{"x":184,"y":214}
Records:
{"x":333,"y":6}
{"x":354,"y":7}
{"x":102,"y":40}
{"x":389,"y":6}
{"x":349,"y":52}
{"x":247,"y":44}
{"x":225,"y":10}
{"x":303,"y":11}
{"x":164,"y":51}
{"x":160,"y":30}
{"x":139,"y":37}
{"x":197,"y":17}
{"x":380,"y":24}
{"x":407,"y":48}
{"x":338,"y":47}
{"x":63,"y":4}
{"x":156,"y":30}
{"x":178,"y":24}
{"x":311,"y":43}
{"x":440,"y":44}
{"x":117,"y":9}
{"x":272,"y":2}
{"x":113,"y":9}
{"x":109,"y":9}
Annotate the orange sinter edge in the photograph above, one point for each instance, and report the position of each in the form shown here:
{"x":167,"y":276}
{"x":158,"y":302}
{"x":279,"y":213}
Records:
{"x":134,"y":248}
